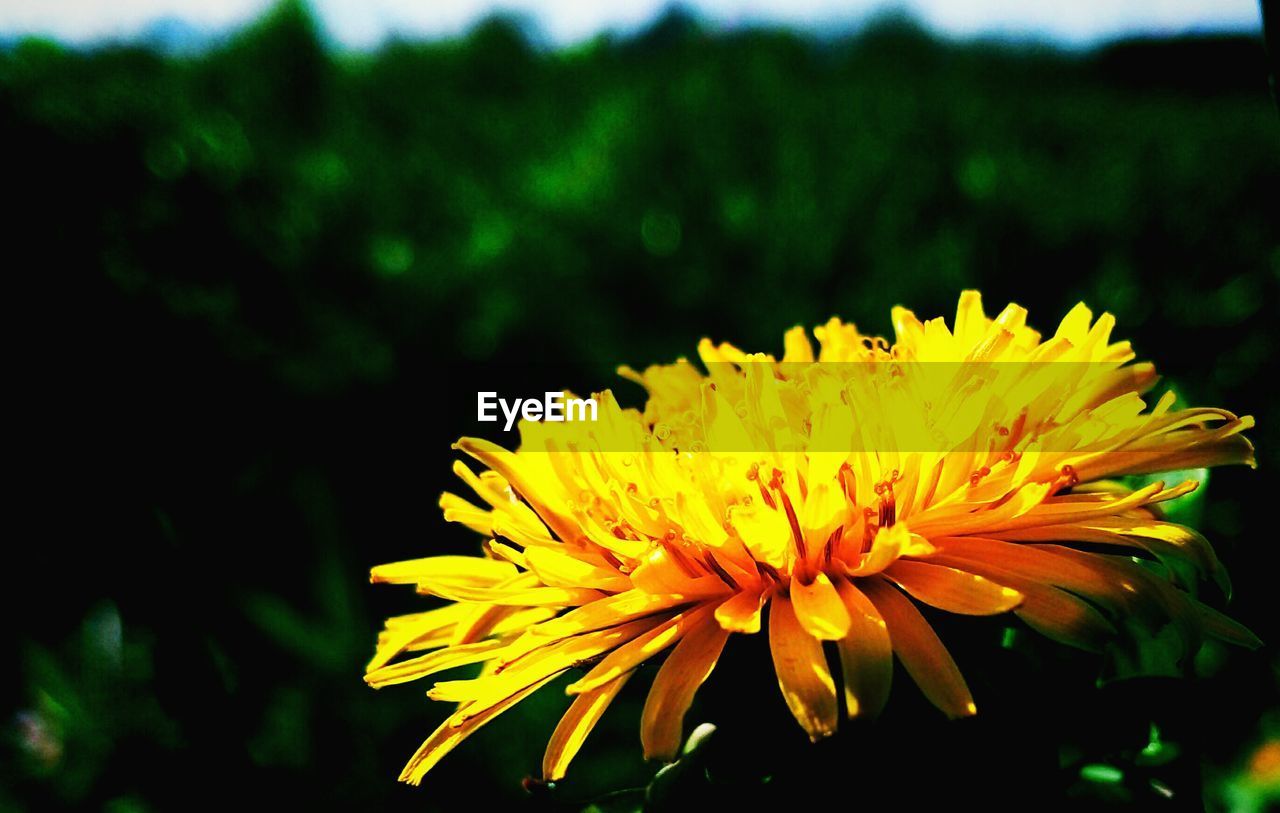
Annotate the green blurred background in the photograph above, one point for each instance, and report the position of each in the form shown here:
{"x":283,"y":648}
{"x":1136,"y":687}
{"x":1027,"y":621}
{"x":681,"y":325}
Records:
{"x":248,"y":281}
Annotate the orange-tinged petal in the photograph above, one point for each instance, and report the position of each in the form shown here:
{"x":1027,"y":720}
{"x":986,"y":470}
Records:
{"x":573,"y":728}
{"x":686,"y":668}
{"x":741,"y":613}
{"x":637,"y":651}
{"x":1052,"y":612}
{"x":1088,"y":578}
{"x":955,"y":591}
{"x":866,"y":655}
{"x":803,"y":674}
{"x":607,"y":611}
{"x":1229,"y":630}
{"x":921,"y":653}
{"x":661,"y":574}
{"x":819,"y":609}
{"x":1164,"y":540}
{"x":1063,"y":617}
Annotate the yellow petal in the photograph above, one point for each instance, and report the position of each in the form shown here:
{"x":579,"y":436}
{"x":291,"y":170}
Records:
{"x":1074,"y":327}
{"x":485,"y":691}
{"x":921,"y":653}
{"x":686,"y":668}
{"x":559,"y":569}
{"x":1159,"y":454}
{"x":866,"y":655}
{"x":796,"y":346}
{"x":907,"y":329}
{"x":764,"y":530}
{"x":404,"y":630}
{"x":803,"y":674}
{"x":887,"y":545}
{"x":480,"y":619}
{"x":500,"y":498}
{"x":573,"y":728}
{"x":456,"y":509}
{"x":819,"y":609}
{"x":955,"y":591}
{"x":971,"y":321}
{"x":432,"y":662}
{"x":483,"y":619}
{"x":456,"y":729}
{"x":473,"y":570}
{"x":540,"y":490}
{"x":518,"y":596}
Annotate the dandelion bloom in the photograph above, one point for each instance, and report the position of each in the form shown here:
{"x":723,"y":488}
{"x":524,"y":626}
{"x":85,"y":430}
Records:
{"x":817,"y":498}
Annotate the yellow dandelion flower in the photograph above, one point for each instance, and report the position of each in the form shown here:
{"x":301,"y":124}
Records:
{"x":816,"y":498}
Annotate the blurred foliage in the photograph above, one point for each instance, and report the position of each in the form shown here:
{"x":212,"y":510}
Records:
{"x":246,"y":279}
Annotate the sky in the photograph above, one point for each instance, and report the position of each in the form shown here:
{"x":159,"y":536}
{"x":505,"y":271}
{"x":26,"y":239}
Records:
{"x":366,"y":23}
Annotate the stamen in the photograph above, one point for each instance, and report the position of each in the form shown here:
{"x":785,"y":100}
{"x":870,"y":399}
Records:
{"x":768,"y":571}
{"x":849,"y":481}
{"x":1015,"y":432}
{"x":801,"y":549}
{"x":709,"y":559}
{"x":766,"y":496}
{"x":829,"y":549}
{"x":682,"y":560}
{"x":888,"y":513}
{"x":753,"y":474}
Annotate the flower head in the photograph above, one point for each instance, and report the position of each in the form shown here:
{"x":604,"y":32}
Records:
{"x":817,"y":498}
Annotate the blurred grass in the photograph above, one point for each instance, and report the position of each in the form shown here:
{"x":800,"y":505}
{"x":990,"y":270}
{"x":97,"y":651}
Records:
{"x":237,"y":273}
